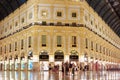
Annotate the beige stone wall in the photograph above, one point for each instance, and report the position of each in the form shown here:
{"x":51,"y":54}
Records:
{"x":94,"y":28}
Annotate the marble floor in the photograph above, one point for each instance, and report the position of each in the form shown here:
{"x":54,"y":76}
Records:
{"x":45,"y":75}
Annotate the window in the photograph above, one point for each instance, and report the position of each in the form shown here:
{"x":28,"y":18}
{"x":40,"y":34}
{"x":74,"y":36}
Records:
{"x":44,"y":23}
{"x":74,"y":15}
{"x":59,"y":41}
{"x":59,"y":14}
{"x":104,"y":50}
{"x":22,"y":43}
{"x":59,"y":23}
{"x":100,"y":49}
{"x":86,"y":43}
{"x":29,"y":42}
{"x":10,"y":26}
{"x":74,"y":41}
{"x":44,"y":13}
{"x":15,"y":46}
{"x":23,"y":20}
{"x":30,"y":15}
{"x":5,"y":29}
{"x":9,"y":47}
{"x":44,"y":40}
{"x":91,"y":45}
{"x":16,"y":23}
{"x":1,"y":50}
{"x":96,"y":47}
{"x":91,"y":22}
{"x":74,"y":24}
{"x":5,"y":48}
{"x":86,"y":17}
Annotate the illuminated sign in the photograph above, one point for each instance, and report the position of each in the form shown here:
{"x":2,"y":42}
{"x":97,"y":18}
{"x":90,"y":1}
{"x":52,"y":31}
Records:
{"x":74,"y":57}
{"x":43,"y":57}
{"x":59,"y":57}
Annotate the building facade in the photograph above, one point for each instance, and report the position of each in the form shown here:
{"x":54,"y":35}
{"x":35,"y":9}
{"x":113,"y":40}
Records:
{"x":56,"y":31}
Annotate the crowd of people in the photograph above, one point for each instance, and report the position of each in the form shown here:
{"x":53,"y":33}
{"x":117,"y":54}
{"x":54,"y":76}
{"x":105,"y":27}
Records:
{"x":67,"y":67}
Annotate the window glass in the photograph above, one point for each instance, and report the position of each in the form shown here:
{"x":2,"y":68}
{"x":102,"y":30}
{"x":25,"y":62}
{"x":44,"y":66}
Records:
{"x":43,"y":40}
{"x":59,"y":14}
{"x":59,"y":41}
{"x":30,"y":15}
{"x":74,"y":41}
{"x":22,"y":43}
{"x":15,"y":46}
{"x":29,"y":40}
{"x":86,"y":42}
{"x":74,"y":14}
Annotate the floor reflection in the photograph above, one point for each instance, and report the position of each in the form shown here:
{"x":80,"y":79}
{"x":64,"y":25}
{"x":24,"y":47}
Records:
{"x":88,"y":75}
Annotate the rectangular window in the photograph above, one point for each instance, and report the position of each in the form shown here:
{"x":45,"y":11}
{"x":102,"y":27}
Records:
{"x":22,"y":20}
{"x":22,"y":43}
{"x":44,"y":40}
{"x":29,"y":42}
{"x":30,"y":15}
{"x":74,"y":15}
{"x":15,"y":46}
{"x":96,"y":47}
{"x":9,"y":47}
{"x":16,"y":24}
{"x":86,"y":43}
{"x":91,"y":45}
{"x":59,"y":41}
{"x":59,"y":14}
{"x":5,"y":49}
{"x":74,"y":39}
{"x":1,"y":50}
{"x":104,"y":50}
{"x":100,"y":49}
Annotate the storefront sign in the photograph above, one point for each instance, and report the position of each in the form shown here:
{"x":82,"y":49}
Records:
{"x":59,"y":57}
{"x":74,"y":57}
{"x":43,"y":57}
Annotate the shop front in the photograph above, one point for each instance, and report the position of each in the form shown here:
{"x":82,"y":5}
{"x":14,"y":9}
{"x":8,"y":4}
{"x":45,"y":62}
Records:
{"x":5,"y":63}
{"x":44,"y":60}
{"x":30,"y":60}
{"x":11,"y":63}
{"x":74,"y":58}
{"x":23,"y":62}
{"x":59,"y":58}
{"x":16,"y":62}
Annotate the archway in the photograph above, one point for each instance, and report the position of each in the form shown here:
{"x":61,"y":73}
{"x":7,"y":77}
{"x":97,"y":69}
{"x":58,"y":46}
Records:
{"x":59,"y":58}
{"x":16,"y":62}
{"x":74,"y":55}
{"x":44,"y":60}
{"x":23,"y":66}
{"x":30,"y":60}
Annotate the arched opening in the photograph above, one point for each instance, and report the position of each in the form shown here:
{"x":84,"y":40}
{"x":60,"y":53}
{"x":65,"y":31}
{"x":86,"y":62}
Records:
{"x":30,"y":61}
{"x":10,"y":63}
{"x":16,"y":63}
{"x":5,"y":63}
{"x":44,"y":60}
{"x":59,"y":58}
{"x":74,"y":55}
{"x":23,"y":61}
{"x":59,"y":55}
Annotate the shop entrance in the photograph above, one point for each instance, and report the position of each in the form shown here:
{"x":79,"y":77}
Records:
{"x":74,"y":58}
{"x":30,"y":61}
{"x":59,"y":58}
{"x":16,"y":62}
{"x":22,"y":62}
{"x":44,"y":60}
